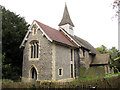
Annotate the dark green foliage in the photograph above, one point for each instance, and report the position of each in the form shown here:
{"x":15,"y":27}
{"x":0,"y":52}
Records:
{"x":114,"y":53}
{"x":13,"y":31}
{"x":0,"y":42}
{"x":7,"y":80}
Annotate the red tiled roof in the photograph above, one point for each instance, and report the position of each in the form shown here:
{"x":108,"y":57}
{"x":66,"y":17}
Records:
{"x":55,"y":34}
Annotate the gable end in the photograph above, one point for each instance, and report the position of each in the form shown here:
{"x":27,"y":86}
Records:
{"x":30,"y":30}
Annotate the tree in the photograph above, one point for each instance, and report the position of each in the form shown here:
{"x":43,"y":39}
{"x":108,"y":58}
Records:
{"x":116,"y":5}
{"x":0,"y":42}
{"x":114,"y":53}
{"x":13,"y":31}
{"x":102,"y":49}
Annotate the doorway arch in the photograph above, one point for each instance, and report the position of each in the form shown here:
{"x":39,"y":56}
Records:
{"x":33,"y":73}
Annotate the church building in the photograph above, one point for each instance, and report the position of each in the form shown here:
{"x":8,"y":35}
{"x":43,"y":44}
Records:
{"x":58,"y":55}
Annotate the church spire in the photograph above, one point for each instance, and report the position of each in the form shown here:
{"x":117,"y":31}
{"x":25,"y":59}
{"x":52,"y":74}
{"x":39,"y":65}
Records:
{"x":66,"y":18}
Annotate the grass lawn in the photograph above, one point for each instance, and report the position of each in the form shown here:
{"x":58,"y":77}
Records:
{"x":112,"y":74}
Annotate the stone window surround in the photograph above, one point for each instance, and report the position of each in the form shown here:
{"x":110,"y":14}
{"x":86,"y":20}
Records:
{"x":33,"y":50}
{"x":61,"y":71}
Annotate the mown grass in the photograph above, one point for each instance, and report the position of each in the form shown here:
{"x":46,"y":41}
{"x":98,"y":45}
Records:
{"x":107,"y":76}
{"x":115,"y":73}
{"x":112,"y":74}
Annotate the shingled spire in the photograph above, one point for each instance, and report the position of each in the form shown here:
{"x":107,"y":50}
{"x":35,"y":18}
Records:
{"x":66,"y":18}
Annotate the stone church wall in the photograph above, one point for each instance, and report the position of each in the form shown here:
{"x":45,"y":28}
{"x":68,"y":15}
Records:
{"x":63,"y":58}
{"x":44,"y":64}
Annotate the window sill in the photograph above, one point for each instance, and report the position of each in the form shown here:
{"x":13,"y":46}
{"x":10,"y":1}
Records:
{"x":34,"y":59}
{"x":60,"y":75}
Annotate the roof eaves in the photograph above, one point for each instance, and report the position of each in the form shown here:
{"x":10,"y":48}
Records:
{"x":25,"y":39}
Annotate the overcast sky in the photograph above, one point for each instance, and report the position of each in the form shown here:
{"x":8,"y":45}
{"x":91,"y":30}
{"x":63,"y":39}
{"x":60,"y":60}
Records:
{"x":92,"y":18}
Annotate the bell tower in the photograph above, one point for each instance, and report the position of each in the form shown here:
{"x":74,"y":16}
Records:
{"x":66,"y":22}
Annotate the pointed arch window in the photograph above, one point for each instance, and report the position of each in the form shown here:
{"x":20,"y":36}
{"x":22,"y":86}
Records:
{"x":34,"y":50}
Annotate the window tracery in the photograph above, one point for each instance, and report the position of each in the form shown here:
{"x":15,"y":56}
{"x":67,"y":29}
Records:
{"x":34,"y":49}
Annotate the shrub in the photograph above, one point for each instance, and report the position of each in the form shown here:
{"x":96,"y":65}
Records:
{"x":7,"y":80}
{"x":113,"y":82}
{"x":112,"y":73}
